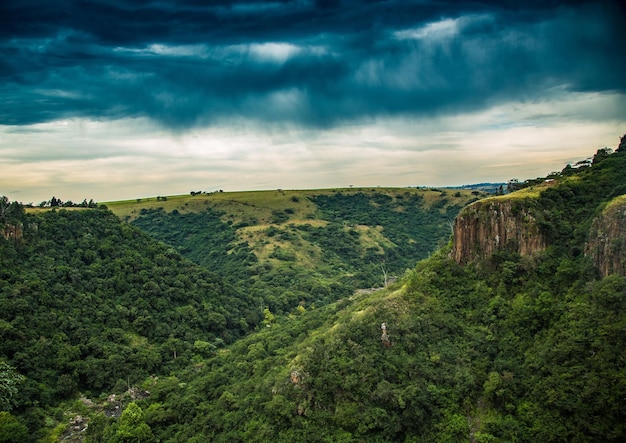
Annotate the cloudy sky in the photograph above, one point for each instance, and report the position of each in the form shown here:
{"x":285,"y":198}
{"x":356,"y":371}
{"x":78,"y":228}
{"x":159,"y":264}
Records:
{"x":113,"y":99}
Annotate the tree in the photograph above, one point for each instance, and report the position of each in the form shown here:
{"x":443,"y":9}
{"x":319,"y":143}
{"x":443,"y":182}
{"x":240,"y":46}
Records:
{"x":622,"y":144}
{"x":4,"y":209}
{"x":10,"y":212}
{"x":385,"y":279}
{"x":12,"y":430}
{"x":601,"y":154}
{"x":268,"y":317}
{"x":9,"y":379}
{"x":132,"y":426}
{"x":513,"y":185}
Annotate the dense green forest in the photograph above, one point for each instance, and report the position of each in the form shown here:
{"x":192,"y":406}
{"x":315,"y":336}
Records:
{"x":509,"y":349}
{"x":90,"y":305}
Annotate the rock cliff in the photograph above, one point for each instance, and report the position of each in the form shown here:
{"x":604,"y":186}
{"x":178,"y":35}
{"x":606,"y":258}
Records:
{"x":607,"y":238}
{"x":494,"y":224}
{"x":12,"y":231}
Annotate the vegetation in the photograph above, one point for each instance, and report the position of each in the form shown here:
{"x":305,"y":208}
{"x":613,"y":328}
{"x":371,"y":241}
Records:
{"x":292,"y":248}
{"x":466,"y":360}
{"x":90,"y":305}
{"x":518,"y":349}
{"x":513,"y":349}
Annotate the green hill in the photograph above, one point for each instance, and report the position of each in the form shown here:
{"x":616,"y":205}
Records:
{"x":290,"y":248}
{"x":92,"y":306}
{"x":466,"y":361}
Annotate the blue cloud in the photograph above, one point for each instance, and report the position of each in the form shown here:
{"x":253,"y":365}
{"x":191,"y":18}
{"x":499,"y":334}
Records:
{"x":186,"y":64}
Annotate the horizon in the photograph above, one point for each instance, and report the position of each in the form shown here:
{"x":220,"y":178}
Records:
{"x":465,"y":187}
{"x":254,"y":95}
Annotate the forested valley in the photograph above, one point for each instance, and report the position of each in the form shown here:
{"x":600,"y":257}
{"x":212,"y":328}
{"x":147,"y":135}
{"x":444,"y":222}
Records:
{"x":291,"y":248}
{"x":316,"y":317}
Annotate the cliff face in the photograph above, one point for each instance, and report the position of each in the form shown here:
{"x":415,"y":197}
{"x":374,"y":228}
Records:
{"x":487,"y":226}
{"x":607,"y":239}
{"x":12,"y":231}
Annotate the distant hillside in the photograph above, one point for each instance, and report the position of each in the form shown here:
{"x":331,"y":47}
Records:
{"x":291,"y":248}
{"x":489,"y":188}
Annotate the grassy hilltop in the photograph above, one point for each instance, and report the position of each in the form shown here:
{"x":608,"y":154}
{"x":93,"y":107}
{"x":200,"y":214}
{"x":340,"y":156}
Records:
{"x":292,"y":206}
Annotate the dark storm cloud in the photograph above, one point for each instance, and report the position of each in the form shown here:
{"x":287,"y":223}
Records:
{"x":317,"y":63}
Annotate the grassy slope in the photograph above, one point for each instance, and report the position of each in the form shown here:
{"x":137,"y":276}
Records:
{"x":253,"y":212}
{"x":615,"y":203}
{"x":249,"y":205}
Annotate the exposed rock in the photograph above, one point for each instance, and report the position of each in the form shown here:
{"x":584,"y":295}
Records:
{"x":12,"y":231}
{"x":115,"y":404}
{"x":137,"y":394}
{"x":295,"y":377}
{"x":384,"y":336}
{"x":75,"y":432}
{"x":494,"y":224}
{"x":607,"y":239}
{"x":87,"y":402}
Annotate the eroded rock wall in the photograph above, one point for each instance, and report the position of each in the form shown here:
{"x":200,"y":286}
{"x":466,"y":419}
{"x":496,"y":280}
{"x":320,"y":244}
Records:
{"x":607,"y":239}
{"x":487,"y":226}
{"x":12,"y":231}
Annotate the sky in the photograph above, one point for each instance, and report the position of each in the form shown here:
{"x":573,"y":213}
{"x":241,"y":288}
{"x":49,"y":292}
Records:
{"x":113,"y":100}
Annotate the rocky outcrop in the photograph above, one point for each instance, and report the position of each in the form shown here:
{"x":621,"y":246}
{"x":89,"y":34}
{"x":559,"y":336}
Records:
{"x":607,"y":239}
{"x":12,"y":231}
{"x":494,"y":224}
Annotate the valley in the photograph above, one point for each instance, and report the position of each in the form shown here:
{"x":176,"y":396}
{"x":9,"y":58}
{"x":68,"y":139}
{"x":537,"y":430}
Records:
{"x":245,"y":316}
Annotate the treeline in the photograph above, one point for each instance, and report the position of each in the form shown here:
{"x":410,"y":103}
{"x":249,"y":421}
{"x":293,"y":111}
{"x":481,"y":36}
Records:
{"x":569,"y":170}
{"x":58,"y":203}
